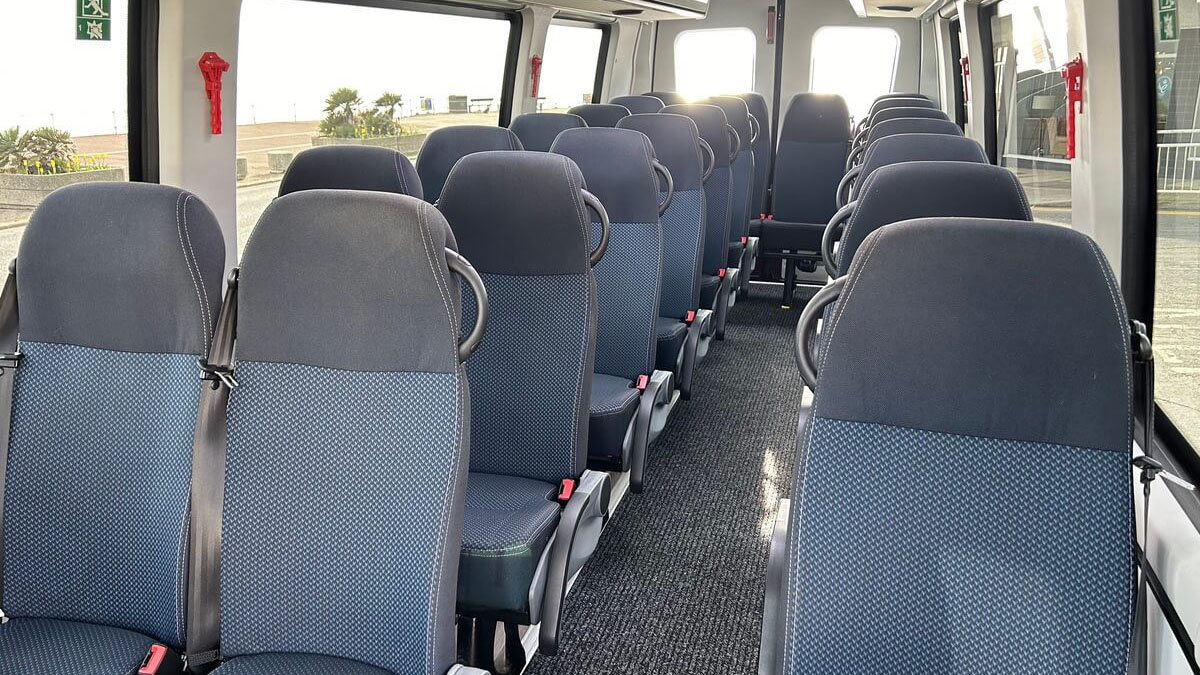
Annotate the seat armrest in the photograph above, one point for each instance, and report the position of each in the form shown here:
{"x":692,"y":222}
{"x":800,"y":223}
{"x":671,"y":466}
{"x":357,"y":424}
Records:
{"x":770,"y":650}
{"x":575,"y":540}
{"x":465,"y":670}
{"x":654,"y":407}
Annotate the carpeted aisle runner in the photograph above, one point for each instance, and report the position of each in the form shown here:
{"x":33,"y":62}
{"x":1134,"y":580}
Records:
{"x":676,"y":585}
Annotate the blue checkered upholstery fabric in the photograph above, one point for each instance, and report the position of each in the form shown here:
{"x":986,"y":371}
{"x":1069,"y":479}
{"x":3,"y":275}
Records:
{"x":295,"y":664}
{"x":506,"y":513}
{"x":383,"y":446}
{"x":536,"y":346}
{"x":683,"y":228}
{"x":97,"y":494}
{"x":51,"y":647}
{"x":970,"y":569}
{"x":718,"y":193}
{"x":627,"y":289}
{"x":742,"y":183}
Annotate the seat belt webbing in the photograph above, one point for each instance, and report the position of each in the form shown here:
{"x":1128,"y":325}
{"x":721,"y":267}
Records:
{"x":10,"y":358}
{"x":208,"y":490}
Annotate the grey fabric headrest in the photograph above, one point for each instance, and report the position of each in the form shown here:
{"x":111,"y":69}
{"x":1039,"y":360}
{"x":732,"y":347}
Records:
{"x":349,"y":280}
{"x":900,"y":102}
{"x":816,"y":118}
{"x":931,"y":189}
{"x":737,"y":114}
{"x":445,"y":146}
{"x":519,"y":213}
{"x":710,"y":121}
{"x":758,"y":109}
{"x":617,"y":166}
{"x":912,"y":125}
{"x":639,"y":104}
{"x":537,"y":131}
{"x":121,"y":266}
{"x":352,"y":167}
{"x":600,"y":114}
{"x":919,"y":148}
{"x":898,"y":113}
{"x":676,"y":142}
{"x":667,"y":97}
{"x":989,"y":328}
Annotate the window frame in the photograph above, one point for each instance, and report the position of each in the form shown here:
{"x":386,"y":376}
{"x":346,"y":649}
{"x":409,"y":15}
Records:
{"x":812,"y":49}
{"x":954,"y":30}
{"x":601,"y":56}
{"x":142,"y":92}
{"x":743,"y":29}
{"x":515,"y":29}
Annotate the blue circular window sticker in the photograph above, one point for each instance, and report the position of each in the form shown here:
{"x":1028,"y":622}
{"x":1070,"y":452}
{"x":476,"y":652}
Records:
{"x":1163,"y":86}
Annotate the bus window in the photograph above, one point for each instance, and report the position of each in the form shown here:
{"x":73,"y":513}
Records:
{"x":714,"y":62}
{"x":354,"y":75}
{"x":63,"y":115}
{"x":857,"y":63}
{"x":571,"y":60}
{"x":1177,"y":264}
{"x":1029,"y":39}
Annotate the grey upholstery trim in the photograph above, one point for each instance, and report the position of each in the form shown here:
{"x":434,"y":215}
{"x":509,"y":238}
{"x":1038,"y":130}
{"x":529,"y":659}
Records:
{"x":519,"y":213}
{"x":352,"y":167}
{"x":737,"y":114}
{"x":676,"y":142}
{"x":618,"y":166}
{"x":945,"y":271}
{"x":158,"y":249}
{"x":351,"y":280}
{"x":537,"y":131}
{"x":444,"y":147}
{"x":712,"y":125}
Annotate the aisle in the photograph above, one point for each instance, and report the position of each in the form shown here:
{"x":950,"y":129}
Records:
{"x":676,"y":585}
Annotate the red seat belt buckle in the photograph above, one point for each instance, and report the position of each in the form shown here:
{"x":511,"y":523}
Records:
{"x":565,"y":489}
{"x":721,"y":273}
{"x":153,"y":660}
{"x":642,"y":382}
{"x":689,"y":317}
{"x":745,"y":240}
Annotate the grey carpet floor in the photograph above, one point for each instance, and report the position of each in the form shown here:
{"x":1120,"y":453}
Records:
{"x":676,"y":585}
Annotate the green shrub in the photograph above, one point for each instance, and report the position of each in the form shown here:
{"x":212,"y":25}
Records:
{"x":44,"y":150}
{"x":347,"y":117}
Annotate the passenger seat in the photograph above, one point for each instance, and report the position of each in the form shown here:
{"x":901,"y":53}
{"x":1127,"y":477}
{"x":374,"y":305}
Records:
{"x":118,"y":285}
{"x":924,"y":534}
{"x":763,"y":148}
{"x":537,"y":131}
{"x":631,"y":399}
{"x":533,"y":513}
{"x":352,"y":167}
{"x":741,"y":251}
{"x":637,"y":105}
{"x":909,"y":148}
{"x":444,"y":147}
{"x":600,"y":114}
{"x":667,"y":97}
{"x":327,"y":495}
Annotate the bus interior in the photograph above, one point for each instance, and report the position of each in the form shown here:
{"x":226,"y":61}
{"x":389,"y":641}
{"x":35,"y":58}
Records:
{"x":789,"y":337}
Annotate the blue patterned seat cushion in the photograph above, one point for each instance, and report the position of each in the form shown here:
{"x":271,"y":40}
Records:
{"x":507,"y":524}
{"x":942,"y":554}
{"x":671,"y":334}
{"x":52,"y":647}
{"x":295,"y":664}
{"x":614,"y":402}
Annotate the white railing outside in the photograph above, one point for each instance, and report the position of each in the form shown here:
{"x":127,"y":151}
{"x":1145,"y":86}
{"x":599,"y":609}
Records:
{"x":1179,"y":160}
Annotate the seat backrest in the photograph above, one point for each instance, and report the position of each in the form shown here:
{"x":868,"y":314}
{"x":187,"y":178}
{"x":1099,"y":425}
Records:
{"x":762,"y":151}
{"x":943,"y":550}
{"x":898,"y":113}
{"x":930,"y":189}
{"x":742,"y":167}
{"x":351,"y":167}
{"x":814,"y":139}
{"x":676,"y":142}
{"x":600,"y":114}
{"x":519,"y":218}
{"x":920,"y":148}
{"x":616,"y":163}
{"x":911,"y":125}
{"x":639,"y":104}
{"x":667,"y":97}
{"x":444,"y":147}
{"x":537,"y":131}
{"x":119,"y":285}
{"x":897,"y":94}
{"x":348,"y":426}
{"x":900,"y":102}
{"x":714,"y":129}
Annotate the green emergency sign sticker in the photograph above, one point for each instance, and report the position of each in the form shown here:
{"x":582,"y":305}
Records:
{"x":93,"y":19}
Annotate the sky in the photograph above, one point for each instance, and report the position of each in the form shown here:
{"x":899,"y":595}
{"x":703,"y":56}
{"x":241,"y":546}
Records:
{"x":292,"y":54}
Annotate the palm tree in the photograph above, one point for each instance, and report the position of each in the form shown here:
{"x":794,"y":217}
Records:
{"x":389,"y":101}
{"x":341,"y":104}
{"x":10,"y":150}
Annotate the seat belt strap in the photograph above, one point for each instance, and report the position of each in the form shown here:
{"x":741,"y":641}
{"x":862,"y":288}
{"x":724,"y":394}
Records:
{"x":10,"y":358}
{"x":208,"y":490}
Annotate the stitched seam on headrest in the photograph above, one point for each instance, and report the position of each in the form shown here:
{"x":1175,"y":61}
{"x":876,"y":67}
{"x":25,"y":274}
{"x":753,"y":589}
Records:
{"x":1114,"y":295}
{"x":1021,"y":193}
{"x":585,"y":223}
{"x":192,"y":265}
{"x":842,"y":305}
{"x":400,"y":174}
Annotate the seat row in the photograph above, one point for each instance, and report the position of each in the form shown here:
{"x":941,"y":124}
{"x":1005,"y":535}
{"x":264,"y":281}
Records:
{"x":943,"y":372}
